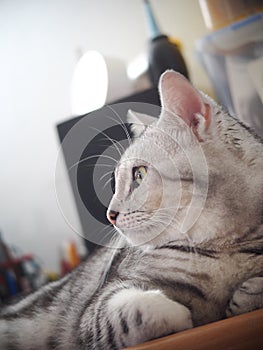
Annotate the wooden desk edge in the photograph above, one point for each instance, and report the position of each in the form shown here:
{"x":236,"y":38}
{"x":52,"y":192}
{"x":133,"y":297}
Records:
{"x":244,"y":332}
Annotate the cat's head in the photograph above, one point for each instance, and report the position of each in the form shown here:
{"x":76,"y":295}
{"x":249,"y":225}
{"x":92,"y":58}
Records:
{"x":183,"y":177}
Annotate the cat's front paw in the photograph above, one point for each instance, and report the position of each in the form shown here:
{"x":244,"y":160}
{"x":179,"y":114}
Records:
{"x":248,"y":297}
{"x":138,"y":316}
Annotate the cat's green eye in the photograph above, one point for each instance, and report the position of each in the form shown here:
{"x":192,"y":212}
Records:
{"x":139,"y":174}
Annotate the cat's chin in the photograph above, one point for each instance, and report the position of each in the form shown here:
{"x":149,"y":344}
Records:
{"x":138,"y":237}
{"x":145,"y":237}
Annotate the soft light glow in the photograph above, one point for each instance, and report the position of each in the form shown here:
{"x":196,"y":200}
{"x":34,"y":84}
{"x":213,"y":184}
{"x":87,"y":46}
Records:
{"x":137,"y":67}
{"x":89,"y":83}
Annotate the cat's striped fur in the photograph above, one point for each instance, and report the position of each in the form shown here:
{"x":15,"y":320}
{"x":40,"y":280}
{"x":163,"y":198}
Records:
{"x":163,"y":286}
{"x":72,"y":314}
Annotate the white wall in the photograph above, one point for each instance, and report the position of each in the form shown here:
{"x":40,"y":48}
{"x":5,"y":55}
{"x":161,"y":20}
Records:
{"x":39,"y":46}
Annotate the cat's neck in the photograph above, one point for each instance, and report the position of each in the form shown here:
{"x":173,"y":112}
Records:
{"x":244,"y":242}
{"x":218,"y":244}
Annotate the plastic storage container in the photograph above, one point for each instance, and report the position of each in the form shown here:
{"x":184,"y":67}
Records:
{"x":233,"y":59}
{"x":218,"y":14}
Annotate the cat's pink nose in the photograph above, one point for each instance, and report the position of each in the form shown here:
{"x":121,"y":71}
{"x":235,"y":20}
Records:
{"x":112,"y":216}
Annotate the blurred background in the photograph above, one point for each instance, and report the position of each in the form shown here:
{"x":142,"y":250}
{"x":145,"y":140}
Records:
{"x":42,"y":44}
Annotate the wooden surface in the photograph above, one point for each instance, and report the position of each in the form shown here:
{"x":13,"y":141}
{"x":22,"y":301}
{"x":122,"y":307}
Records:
{"x":243,"y":332}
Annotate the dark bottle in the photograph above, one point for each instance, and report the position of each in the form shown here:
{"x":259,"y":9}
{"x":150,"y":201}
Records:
{"x":162,"y":53}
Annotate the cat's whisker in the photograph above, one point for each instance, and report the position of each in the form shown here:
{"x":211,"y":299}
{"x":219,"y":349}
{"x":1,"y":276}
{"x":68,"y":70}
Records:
{"x":99,"y":165}
{"x":116,"y":240}
{"x":112,"y":233}
{"x":122,"y":124}
{"x":107,"y":227}
{"x":113,"y":145}
{"x":83,"y":160}
{"x":168,"y":218}
{"x":167,"y":209}
{"x":106,"y":183}
{"x":104,"y":175}
{"x":120,"y":145}
{"x":109,"y":157}
{"x":163,"y":209}
{"x":110,"y":139}
{"x":91,"y":157}
{"x":164,"y":215}
{"x":162,"y":219}
{"x":99,"y":232}
{"x":157,"y":222}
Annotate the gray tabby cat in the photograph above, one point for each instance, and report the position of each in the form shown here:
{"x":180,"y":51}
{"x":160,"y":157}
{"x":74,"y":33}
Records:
{"x":180,"y":268}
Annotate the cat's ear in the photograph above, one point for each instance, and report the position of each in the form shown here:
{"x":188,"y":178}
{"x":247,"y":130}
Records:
{"x":180,"y":98}
{"x":139,"y":122}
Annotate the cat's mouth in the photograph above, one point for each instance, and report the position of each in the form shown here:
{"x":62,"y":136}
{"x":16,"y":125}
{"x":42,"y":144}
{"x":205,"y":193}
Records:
{"x":148,"y":224}
{"x":132,"y":220}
